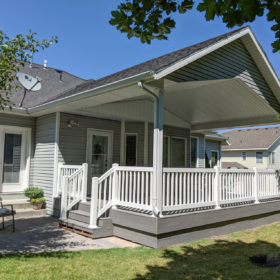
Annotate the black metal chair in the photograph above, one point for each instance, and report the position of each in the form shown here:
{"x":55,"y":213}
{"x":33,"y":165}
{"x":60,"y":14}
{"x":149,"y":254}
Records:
{"x":5,"y":212}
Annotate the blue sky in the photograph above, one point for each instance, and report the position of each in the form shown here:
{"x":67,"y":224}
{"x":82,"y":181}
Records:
{"x":90,"y":47}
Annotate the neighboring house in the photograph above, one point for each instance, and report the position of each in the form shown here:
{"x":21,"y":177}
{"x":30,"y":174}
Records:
{"x":66,"y":136}
{"x":256,"y":147}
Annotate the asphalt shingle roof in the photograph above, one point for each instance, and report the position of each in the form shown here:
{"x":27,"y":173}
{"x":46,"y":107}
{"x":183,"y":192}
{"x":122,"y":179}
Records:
{"x":155,"y":64}
{"x":54,"y":82}
{"x":53,"y":88}
{"x":255,"y":138}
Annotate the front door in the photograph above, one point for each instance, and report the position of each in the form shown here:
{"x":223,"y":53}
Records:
{"x":13,"y":159}
{"x":99,"y":151}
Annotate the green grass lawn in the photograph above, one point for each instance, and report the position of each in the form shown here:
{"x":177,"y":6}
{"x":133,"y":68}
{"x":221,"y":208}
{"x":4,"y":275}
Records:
{"x":225,"y":257}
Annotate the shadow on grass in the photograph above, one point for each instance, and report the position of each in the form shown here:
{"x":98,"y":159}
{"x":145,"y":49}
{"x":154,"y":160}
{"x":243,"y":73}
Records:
{"x":221,"y":260}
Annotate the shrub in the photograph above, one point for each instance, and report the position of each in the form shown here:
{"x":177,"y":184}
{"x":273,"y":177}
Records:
{"x":33,"y":192}
{"x":38,"y":200}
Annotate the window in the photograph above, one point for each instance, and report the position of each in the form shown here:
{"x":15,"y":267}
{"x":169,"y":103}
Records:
{"x":194,"y":151}
{"x":131,"y":150}
{"x":259,"y":157}
{"x":271,"y":157}
{"x":178,"y":152}
{"x":12,"y":158}
{"x":166,"y":151}
{"x":214,"y":158}
{"x":244,"y":155}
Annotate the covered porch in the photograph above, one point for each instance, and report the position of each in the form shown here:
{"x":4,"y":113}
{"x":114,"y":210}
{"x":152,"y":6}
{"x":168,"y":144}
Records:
{"x":157,"y":190}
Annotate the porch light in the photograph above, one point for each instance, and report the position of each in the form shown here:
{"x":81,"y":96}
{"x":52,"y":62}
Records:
{"x":72,"y":123}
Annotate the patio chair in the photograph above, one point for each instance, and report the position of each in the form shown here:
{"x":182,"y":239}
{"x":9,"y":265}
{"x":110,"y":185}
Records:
{"x":5,"y":212}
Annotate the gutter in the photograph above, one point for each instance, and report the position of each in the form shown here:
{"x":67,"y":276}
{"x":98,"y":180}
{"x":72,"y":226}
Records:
{"x":99,"y":90}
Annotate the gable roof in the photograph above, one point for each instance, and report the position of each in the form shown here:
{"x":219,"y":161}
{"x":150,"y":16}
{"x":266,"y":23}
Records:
{"x":157,"y":68}
{"x":153,"y":65}
{"x":250,"y":139}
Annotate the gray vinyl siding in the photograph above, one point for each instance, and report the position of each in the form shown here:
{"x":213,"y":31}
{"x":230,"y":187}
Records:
{"x":139,"y":129}
{"x":42,"y":169}
{"x":211,"y":145}
{"x":170,"y":131}
{"x":201,"y":150}
{"x":230,"y":61}
{"x":73,"y":141}
{"x":21,"y":121}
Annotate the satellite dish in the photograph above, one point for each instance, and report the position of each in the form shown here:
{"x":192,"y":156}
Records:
{"x":28,"y":82}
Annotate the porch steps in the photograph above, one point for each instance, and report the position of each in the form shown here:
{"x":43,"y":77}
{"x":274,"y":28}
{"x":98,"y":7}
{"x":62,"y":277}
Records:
{"x":79,"y":219}
{"x":24,"y":209}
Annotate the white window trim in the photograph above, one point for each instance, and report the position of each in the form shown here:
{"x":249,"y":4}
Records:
{"x":197,"y":150}
{"x":25,"y":152}
{"x":131,"y":134}
{"x":243,"y":157}
{"x":185,"y":146}
{"x":218,"y":157}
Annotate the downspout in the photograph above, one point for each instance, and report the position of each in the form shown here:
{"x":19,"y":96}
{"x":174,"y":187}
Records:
{"x":156,"y":199}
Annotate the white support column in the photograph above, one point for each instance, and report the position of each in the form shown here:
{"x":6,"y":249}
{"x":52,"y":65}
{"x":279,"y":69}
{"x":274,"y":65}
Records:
{"x":146,"y":144}
{"x":157,"y":155}
{"x":122,"y":148}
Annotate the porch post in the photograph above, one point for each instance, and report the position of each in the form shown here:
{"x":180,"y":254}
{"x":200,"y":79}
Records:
{"x":157,"y":155}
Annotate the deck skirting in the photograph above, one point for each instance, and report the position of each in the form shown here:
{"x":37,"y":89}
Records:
{"x":183,"y":228}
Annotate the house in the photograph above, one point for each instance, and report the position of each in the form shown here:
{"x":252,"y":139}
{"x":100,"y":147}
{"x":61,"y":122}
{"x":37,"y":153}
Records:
{"x":125,"y":155}
{"x":255,"y":147}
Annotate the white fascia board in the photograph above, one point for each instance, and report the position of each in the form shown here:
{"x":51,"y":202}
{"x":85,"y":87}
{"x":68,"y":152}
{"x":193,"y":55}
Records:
{"x":179,"y":64}
{"x":245,"y":149}
{"x":16,"y":111}
{"x":277,"y":139}
{"x":99,"y":90}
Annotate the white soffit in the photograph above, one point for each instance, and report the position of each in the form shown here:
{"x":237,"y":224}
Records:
{"x":134,"y":110}
{"x":215,"y":100}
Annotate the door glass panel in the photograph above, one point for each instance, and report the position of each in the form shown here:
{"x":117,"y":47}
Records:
{"x":165,"y":160}
{"x":193,"y":152}
{"x":214,"y":159}
{"x":99,"y":157}
{"x":178,"y":152}
{"x":131,"y":150}
{"x":12,"y":158}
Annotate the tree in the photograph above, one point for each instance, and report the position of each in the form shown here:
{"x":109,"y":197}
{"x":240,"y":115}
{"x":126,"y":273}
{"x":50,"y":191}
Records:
{"x":13,"y":54}
{"x":151,"y":19}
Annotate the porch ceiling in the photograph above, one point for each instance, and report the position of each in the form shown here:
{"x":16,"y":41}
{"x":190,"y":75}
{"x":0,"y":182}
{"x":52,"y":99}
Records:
{"x":200,"y":105}
{"x":218,"y":104}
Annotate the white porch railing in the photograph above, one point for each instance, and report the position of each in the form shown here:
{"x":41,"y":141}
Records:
{"x":185,"y":188}
{"x":182,"y":188}
{"x":74,"y":188}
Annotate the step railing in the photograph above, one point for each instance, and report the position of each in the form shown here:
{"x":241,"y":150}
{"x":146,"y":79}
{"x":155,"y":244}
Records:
{"x":74,"y":189}
{"x":63,"y":171}
{"x":120,"y":186}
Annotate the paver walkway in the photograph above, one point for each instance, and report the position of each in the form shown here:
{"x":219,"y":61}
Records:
{"x":42,"y":234}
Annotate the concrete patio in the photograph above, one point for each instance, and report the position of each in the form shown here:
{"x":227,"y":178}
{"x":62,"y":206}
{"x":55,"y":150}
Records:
{"x":42,"y":234}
